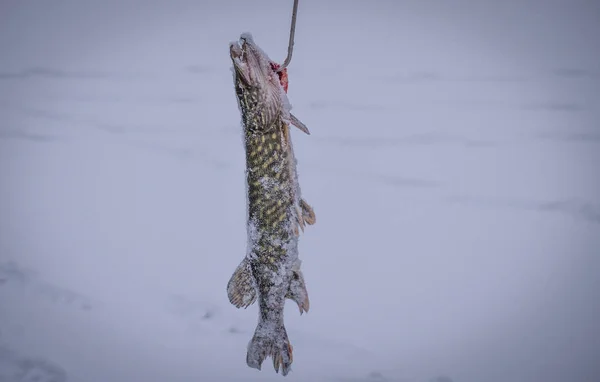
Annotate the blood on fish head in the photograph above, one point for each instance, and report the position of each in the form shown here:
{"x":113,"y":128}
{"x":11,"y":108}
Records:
{"x":283,"y":75}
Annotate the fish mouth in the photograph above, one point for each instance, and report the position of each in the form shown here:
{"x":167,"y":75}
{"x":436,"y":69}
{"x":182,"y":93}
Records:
{"x":238,"y":49}
{"x":249,"y":61}
{"x":242,"y":51}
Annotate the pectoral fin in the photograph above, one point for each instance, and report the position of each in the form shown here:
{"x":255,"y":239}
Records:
{"x":241,"y":288}
{"x":296,"y":122}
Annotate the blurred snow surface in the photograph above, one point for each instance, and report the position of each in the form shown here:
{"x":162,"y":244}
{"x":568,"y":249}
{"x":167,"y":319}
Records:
{"x":451,"y":168}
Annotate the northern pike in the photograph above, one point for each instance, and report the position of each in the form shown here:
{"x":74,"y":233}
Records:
{"x":276,"y":213}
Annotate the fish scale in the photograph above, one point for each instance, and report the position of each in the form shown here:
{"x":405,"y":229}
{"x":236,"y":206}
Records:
{"x":268,"y":175}
{"x":269,"y":191}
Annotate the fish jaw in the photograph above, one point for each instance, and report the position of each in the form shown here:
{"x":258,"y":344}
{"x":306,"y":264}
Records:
{"x":254,"y":65}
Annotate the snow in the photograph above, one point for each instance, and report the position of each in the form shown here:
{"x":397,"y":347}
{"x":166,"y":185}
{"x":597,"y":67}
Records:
{"x":451,"y":165}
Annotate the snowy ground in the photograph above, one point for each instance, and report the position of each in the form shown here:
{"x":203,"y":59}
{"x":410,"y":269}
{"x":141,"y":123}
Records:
{"x":451,"y":167}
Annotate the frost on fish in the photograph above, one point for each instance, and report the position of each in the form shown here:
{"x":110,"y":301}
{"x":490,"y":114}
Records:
{"x":276,"y":212}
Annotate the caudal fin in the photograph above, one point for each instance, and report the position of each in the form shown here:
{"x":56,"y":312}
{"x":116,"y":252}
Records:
{"x":270,"y":341}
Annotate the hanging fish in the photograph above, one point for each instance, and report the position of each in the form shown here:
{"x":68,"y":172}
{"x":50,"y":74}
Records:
{"x":270,"y":272}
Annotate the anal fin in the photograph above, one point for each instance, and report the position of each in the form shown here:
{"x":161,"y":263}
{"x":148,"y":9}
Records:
{"x":241,"y":288}
{"x":297,"y":290}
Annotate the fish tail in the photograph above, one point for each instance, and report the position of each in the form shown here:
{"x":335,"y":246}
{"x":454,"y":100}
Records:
{"x":270,"y":341}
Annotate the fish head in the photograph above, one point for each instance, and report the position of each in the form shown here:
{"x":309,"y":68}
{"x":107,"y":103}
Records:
{"x":260,"y":88}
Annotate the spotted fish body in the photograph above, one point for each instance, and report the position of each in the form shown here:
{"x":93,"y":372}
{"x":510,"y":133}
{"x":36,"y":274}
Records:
{"x":270,"y":272}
